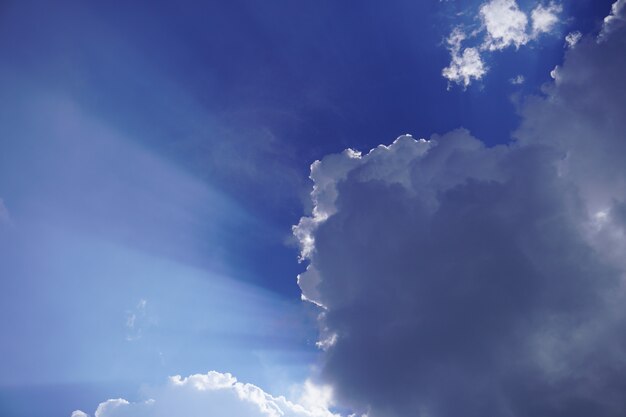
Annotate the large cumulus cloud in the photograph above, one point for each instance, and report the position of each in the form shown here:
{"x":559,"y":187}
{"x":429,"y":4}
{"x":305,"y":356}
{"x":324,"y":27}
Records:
{"x":462,"y":280}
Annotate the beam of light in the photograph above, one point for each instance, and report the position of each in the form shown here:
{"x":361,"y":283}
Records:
{"x":110,"y":263}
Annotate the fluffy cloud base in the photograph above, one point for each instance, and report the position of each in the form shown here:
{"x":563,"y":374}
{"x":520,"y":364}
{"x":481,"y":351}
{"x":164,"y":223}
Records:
{"x":457,"y":279}
{"x":216,"y":394}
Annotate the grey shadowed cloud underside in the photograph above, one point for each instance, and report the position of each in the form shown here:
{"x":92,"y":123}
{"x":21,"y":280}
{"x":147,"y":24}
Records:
{"x":462,"y":280}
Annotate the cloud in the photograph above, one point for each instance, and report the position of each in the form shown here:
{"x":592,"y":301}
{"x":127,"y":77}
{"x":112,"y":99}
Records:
{"x":465,"y":65}
{"x":507,"y":25}
{"x":458,"y":279}
{"x":517,"y":80}
{"x":615,"y":20}
{"x":503,"y":25}
{"x":590,"y":94}
{"x":136,"y":320}
{"x":217,"y":394}
{"x":545,"y":18}
{"x":573,"y":38}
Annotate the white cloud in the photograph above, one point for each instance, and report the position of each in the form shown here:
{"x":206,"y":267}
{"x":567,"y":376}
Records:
{"x":465,"y":65}
{"x":505,"y":24}
{"x":554,"y":74}
{"x":572,"y":39}
{"x":316,"y":398}
{"x":517,"y":80}
{"x":545,"y":18}
{"x":309,"y":279}
{"x":218,"y":394}
{"x":616,"y":19}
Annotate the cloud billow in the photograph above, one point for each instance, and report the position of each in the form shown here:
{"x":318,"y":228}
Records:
{"x":463,"y":280}
{"x":214,"y":394}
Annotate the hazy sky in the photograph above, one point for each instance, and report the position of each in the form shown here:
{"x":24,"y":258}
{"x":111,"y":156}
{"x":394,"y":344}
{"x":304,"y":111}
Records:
{"x":154,"y":157}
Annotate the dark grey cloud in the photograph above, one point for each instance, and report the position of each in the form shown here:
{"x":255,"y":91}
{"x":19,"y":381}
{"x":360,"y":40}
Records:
{"x":460,"y":280}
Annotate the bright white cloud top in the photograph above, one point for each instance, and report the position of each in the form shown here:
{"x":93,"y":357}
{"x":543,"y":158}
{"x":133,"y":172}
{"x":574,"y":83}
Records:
{"x":466,"y":64}
{"x":503,"y":25}
{"x":217,"y":394}
{"x":545,"y":18}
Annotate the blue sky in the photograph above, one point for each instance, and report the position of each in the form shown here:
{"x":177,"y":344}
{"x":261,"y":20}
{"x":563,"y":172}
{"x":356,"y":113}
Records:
{"x":155,"y":156}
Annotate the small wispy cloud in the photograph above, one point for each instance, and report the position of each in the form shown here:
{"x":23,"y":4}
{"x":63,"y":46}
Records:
{"x":136,"y":321}
{"x":572,"y":39}
{"x":544,"y":18}
{"x":466,"y":65}
{"x":504,"y":23}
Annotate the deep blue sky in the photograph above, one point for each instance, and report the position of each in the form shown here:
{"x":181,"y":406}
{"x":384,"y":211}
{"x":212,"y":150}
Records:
{"x":183,"y":132}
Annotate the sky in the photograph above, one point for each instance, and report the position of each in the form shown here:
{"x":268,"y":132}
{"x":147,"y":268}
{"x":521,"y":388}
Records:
{"x":313,"y":208}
